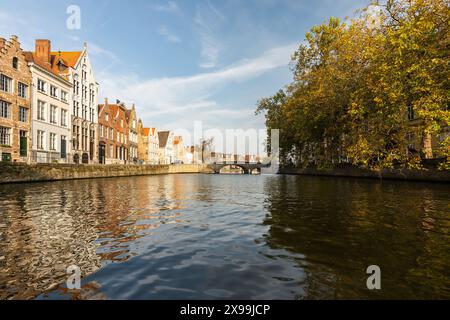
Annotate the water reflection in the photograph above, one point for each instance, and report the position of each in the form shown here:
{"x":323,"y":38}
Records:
{"x":44,"y":228}
{"x":342,"y":226}
{"x":234,"y":237}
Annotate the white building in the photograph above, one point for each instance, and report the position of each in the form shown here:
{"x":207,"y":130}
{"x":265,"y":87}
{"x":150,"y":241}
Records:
{"x":153,"y":146}
{"x":166,"y":154}
{"x":179,"y":150}
{"x":51,"y":106}
{"x":85,"y":112}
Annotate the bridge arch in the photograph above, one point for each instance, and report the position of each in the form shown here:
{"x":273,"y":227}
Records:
{"x":248,"y":168}
{"x":231,"y":165}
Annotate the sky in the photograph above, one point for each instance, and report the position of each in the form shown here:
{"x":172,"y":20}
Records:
{"x":180,"y":61}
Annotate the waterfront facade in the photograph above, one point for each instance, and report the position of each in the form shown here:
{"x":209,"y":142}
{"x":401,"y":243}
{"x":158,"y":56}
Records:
{"x":142,"y":143}
{"x":179,"y":150}
{"x":84,"y":115}
{"x":51,"y":106}
{"x":113,"y":133}
{"x":153,"y":146}
{"x":132,"y":123}
{"x":15,"y":102}
{"x":166,"y":154}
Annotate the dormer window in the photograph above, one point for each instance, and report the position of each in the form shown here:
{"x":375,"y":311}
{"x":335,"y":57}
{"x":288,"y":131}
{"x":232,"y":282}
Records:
{"x":15,"y":63}
{"x":61,"y":66}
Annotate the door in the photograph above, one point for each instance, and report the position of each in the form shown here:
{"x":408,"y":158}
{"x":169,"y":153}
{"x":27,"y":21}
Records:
{"x":23,"y":145}
{"x":101,"y":154}
{"x":63,"y":148}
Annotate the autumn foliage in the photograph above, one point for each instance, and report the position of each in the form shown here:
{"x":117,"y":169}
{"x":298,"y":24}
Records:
{"x":358,"y":84}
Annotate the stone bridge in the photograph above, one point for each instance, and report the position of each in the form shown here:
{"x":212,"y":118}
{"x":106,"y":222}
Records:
{"x":247,"y":167}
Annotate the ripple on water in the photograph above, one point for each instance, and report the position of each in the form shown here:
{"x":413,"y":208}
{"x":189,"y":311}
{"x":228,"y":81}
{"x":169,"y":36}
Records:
{"x":224,"y":237}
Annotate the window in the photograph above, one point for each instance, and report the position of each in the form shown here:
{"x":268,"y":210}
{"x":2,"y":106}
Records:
{"x":23,"y":114}
{"x":84,"y":73}
{"x":5,"y":136}
{"x":41,"y":111}
{"x":15,"y":63}
{"x":53,"y":91}
{"x":100,"y":131}
{"x":64,"y":96}
{"x":40,"y":139}
{"x":64,"y":118}
{"x":53,"y":141}
{"x":53,"y":115}
{"x":76,"y":108}
{"x":76,"y":87}
{"x":22,"y":90}
{"x":5,"y":83}
{"x":411,"y":115}
{"x":5,"y":109}
{"x":107,"y":117}
{"x":41,"y":85}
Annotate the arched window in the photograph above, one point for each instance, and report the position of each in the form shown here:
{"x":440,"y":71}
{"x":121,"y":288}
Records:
{"x":15,"y":63}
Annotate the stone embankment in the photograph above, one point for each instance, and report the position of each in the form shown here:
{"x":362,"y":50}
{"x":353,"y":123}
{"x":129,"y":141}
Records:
{"x":19,"y":173}
{"x":387,"y":174}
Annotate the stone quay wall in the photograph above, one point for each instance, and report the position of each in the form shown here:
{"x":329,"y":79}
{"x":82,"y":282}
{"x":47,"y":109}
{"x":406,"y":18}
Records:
{"x":20,"y":173}
{"x":387,"y":174}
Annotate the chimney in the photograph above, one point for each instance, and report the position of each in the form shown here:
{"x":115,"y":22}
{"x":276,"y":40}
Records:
{"x":43,"y":50}
{"x":106,"y":101}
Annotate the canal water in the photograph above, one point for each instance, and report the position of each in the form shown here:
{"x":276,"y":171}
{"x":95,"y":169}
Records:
{"x":225,"y":237}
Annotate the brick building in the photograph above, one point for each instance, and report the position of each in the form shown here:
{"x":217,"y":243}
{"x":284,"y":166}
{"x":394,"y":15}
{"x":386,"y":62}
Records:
{"x":132,"y":122}
{"x":113,"y":133}
{"x":15,"y":102}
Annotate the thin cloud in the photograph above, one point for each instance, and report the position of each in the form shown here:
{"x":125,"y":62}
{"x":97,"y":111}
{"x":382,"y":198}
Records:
{"x":207,"y":23}
{"x":163,"y":31}
{"x":170,"y":7}
{"x":187,"y":95}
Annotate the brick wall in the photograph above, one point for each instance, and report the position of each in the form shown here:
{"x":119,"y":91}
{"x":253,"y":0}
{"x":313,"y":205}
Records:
{"x":8,"y":51}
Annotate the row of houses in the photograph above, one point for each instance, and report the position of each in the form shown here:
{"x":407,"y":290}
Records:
{"x":49,"y":113}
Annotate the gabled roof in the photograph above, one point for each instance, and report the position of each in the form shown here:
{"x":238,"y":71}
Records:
{"x":57,"y":66}
{"x":128,"y":115}
{"x":163,"y":136}
{"x":70,"y":57}
{"x":145,"y":132}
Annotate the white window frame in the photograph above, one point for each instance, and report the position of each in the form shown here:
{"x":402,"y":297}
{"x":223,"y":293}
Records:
{"x":5,"y":136}
{"x":41,"y":86}
{"x":5,"y":83}
{"x":52,"y":141}
{"x":40,"y":138}
{"x":53,"y":114}
{"x":41,"y":110}
{"x":23,"y":114}
{"x":63,"y":117}
{"x":22,"y":90}
{"x":5,"y":109}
